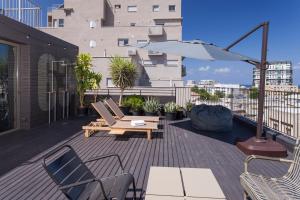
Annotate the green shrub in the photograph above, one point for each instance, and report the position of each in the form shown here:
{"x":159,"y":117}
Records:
{"x":254,"y":93}
{"x":170,"y":107}
{"x":188,"y":106}
{"x":151,"y":105}
{"x":135,"y":102}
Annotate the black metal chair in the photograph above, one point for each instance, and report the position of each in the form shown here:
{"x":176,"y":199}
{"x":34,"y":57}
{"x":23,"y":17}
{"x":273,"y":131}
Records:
{"x":76,"y":181}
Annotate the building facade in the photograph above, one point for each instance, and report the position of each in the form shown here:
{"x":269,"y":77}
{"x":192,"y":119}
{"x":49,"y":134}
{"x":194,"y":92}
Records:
{"x":32,"y":84}
{"x":105,"y":28}
{"x":278,"y":73}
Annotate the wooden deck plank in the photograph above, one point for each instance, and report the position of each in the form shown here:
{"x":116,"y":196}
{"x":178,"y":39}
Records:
{"x":177,"y":144}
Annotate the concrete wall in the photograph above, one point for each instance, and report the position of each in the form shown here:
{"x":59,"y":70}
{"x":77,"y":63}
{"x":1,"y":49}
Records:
{"x":113,"y":24}
{"x":36,"y":51}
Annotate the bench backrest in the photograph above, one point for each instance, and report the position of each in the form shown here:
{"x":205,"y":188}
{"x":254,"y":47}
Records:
{"x":105,"y":114}
{"x":114,"y":107}
{"x":65,"y":167}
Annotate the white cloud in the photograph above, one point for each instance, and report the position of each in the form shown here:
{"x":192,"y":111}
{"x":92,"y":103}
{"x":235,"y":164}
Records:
{"x":223,"y":70}
{"x":204,"y":69}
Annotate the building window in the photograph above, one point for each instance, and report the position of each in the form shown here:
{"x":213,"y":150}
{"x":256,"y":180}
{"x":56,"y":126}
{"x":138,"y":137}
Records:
{"x":55,"y":23}
{"x":61,"y":23}
{"x":159,"y":23}
{"x":132,"y":24}
{"x":132,"y":8}
{"x":172,"y":8}
{"x":123,"y":42}
{"x":142,"y":41}
{"x":172,"y":63}
{"x":109,"y":82}
{"x":117,"y":6}
{"x":148,"y":63}
{"x":155,"y":8}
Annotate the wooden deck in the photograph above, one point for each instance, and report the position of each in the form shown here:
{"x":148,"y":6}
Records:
{"x":175,"y":144}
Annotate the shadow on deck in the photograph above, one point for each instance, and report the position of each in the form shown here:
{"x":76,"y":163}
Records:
{"x":176,"y":145}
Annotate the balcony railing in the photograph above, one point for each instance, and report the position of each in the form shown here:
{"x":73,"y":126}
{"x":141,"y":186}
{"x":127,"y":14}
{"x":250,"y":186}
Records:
{"x":156,"y":31}
{"x":155,"y":53}
{"x":281,"y":112}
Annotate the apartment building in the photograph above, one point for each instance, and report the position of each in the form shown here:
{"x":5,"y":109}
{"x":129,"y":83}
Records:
{"x":278,"y":73}
{"x":105,"y":28}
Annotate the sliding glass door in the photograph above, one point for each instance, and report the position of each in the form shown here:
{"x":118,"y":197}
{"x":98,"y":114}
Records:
{"x":8,"y":86}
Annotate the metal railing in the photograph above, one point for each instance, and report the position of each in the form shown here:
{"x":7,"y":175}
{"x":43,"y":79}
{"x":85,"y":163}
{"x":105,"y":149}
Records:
{"x":281,"y":111}
{"x":24,"y":11}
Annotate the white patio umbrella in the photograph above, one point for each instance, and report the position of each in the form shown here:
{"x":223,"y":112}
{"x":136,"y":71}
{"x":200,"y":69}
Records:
{"x":196,"y":49}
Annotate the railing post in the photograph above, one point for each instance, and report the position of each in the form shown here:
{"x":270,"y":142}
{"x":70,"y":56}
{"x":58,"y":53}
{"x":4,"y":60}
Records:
{"x":231,"y":99}
{"x":49,"y":108}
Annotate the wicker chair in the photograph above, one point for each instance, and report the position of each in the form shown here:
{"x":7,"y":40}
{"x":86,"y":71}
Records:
{"x":259,"y":187}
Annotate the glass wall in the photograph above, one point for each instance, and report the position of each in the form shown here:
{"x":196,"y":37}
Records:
{"x":7,"y":86}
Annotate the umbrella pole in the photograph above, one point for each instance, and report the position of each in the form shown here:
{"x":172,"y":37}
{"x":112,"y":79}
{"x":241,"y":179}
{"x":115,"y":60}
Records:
{"x":262,"y":75}
{"x":258,"y":145}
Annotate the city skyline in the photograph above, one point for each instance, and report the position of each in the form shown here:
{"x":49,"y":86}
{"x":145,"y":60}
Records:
{"x":221,"y":23}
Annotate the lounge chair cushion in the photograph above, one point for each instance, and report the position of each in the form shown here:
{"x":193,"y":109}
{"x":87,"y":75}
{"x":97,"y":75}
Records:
{"x":262,"y":188}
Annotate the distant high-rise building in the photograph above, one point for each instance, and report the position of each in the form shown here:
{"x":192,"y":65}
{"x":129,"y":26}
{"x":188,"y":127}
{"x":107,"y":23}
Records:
{"x":278,"y":73}
{"x":105,"y":28}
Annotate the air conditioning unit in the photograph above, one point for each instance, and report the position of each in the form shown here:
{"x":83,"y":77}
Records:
{"x":93,"y":43}
{"x":131,"y":52}
{"x":93,"y":24}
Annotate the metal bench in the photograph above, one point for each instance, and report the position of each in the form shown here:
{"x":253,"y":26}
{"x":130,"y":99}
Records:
{"x":76,"y":181}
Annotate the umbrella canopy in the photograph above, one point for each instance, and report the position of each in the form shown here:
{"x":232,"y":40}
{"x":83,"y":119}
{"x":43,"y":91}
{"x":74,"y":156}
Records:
{"x":196,"y":49}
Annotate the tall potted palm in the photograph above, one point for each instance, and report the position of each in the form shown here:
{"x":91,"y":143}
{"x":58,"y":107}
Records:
{"x":82,"y":72}
{"x":123,"y":73}
{"x":94,"y":82}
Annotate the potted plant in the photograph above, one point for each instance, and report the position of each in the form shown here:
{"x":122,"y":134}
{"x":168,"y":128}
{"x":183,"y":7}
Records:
{"x":170,"y":110}
{"x":82,"y":72}
{"x":136,"y":104}
{"x":125,"y":106}
{"x":179,"y":113}
{"x":161,"y":110}
{"x":188,"y":107}
{"x":151,"y":107}
{"x":123,"y":73}
{"x":94,"y":84}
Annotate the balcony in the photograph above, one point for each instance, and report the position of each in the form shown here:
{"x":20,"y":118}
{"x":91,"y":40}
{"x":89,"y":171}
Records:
{"x":155,"y":53}
{"x":175,"y":144}
{"x":156,"y":31}
{"x":132,"y":52}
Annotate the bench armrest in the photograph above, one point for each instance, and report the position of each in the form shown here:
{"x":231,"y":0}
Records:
{"x":257,"y":157}
{"x":97,"y":158}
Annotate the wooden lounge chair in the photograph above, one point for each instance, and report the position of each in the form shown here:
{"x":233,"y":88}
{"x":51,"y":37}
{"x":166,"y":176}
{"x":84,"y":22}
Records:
{"x":259,"y":187}
{"x":116,"y":127}
{"x":120,"y":115}
{"x":76,"y":181}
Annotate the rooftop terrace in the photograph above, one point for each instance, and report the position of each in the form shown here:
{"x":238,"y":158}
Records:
{"x":174,"y":144}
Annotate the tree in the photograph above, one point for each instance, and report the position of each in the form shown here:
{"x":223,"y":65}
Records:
{"x":203,"y":94}
{"x":253,"y":93}
{"x":123,"y":73}
{"x":220,"y":94}
{"x":94,"y":82}
{"x":82,"y":72}
{"x":195,"y":89}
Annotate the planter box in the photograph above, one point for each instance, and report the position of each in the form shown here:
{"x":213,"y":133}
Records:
{"x":171,"y":116}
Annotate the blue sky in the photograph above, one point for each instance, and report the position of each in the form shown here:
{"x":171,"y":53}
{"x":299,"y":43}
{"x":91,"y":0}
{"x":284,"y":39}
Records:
{"x":223,"y":21}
